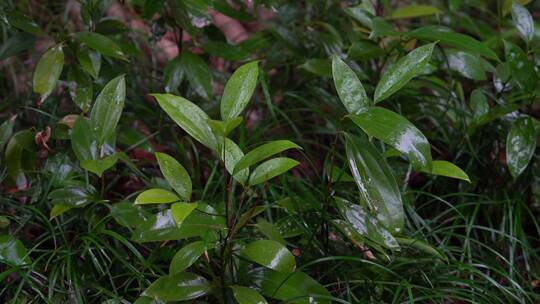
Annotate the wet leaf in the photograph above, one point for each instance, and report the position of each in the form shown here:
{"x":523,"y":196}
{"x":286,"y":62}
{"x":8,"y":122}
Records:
{"x":521,"y":69}
{"x":520,"y":145}
{"x":48,"y":71}
{"x":246,"y":295}
{"x":108,"y":108}
{"x":156,"y":196}
{"x":23,"y":22}
{"x":270,"y":231}
{"x":263,"y":152}
{"x":348,"y":86}
{"x":377,"y":185}
{"x":413,"y":11}
{"x":73,"y":196}
{"x":12,"y":251}
{"x":90,"y":61}
{"x":270,"y":169}
{"x":83,"y":140}
{"x":182,"y":286}
{"x":395,"y":130}
{"x":189,"y":117}
{"x":232,"y":154}
{"x":479,"y":105}
{"x":270,"y":254}
{"x":198,"y":74}
{"x":180,"y":211}
{"x":239,"y":89}
{"x":401,"y":72}
{"x":523,"y":21}
{"x":448,"y":169}
{"x":175,"y":174}
{"x":100,"y":43}
{"x":466,"y":64}
{"x":98,"y":166}
{"x":186,"y":256}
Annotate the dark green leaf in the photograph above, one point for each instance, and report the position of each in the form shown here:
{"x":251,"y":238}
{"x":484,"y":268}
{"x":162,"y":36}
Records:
{"x":90,"y":61}
{"x":523,"y":21}
{"x":12,"y":251}
{"x":108,"y":108}
{"x":270,"y":169}
{"x":186,"y":256}
{"x":520,"y":145}
{"x":413,"y":11}
{"x":270,"y":231}
{"x":83,"y":140}
{"x":246,"y":295}
{"x":232,"y":154}
{"x":100,"y":43}
{"x":173,"y":75}
{"x":16,"y":44}
{"x":175,"y":174}
{"x":239,"y":89}
{"x":98,"y":166}
{"x":466,"y":64}
{"x":24,"y":23}
{"x":521,"y":69}
{"x":263,"y":152}
{"x":270,"y":254}
{"x":198,"y":74}
{"x":181,"y":286}
{"x":349,"y":88}
{"x":48,"y":71}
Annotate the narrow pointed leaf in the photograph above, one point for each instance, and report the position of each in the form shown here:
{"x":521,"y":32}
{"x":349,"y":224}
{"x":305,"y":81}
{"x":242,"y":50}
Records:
{"x":349,"y":88}
{"x":523,"y":21}
{"x":400,"y":73}
{"x":263,"y":152}
{"x":90,"y":61}
{"x":156,"y":196}
{"x":180,"y":211}
{"x":186,"y":256}
{"x":83,"y":140}
{"x":48,"y":71}
{"x":182,"y":286}
{"x":246,"y":295}
{"x":520,"y":145}
{"x":451,"y":38}
{"x":197,"y":73}
{"x":175,"y":174}
{"x":377,"y":185}
{"x":448,"y":169}
{"x":108,"y":108}
{"x":413,"y":11}
{"x":239,"y":89}
{"x":395,"y":130}
{"x":270,"y":254}
{"x":101,"y":43}
{"x":270,"y":169}
{"x":232,"y":154}
{"x":189,"y":117}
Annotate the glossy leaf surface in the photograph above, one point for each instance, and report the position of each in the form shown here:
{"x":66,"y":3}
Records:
{"x":270,"y":169}
{"x":523,"y":21}
{"x":186,"y":256}
{"x":156,"y":196}
{"x":175,"y":174}
{"x":182,"y":286}
{"x":448,"y":169}
{"x":521,"y":68}
{"x":98,"y":166}
{"x":232,"y":154}
{"x":401,"y":72}
{"x":12,"y":251}
{"x":520,"y":145}
{"x":466,"y":64}
{"x":395,"y":130}
{"x":413,"y":11}
{"x":263,"y":152}
{"x":101,"y":43}
{"x":198,"y":74}
{"x":180,"y":211}
{"x":348,"y":86}
{"x":246,"y":295}
{"x":270,"y":231}
{"x":270,"y":254}
{"x":377,"y":185}
{"x":108,"y":109}
{"x":239,"y":89}
{"x":48,"y":71}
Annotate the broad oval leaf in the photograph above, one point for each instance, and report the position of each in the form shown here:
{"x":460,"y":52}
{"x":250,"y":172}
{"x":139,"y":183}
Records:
{"x":189,"y":117}
{"x":48,"y":71}
{"x":451,"y":38}
{"x":523,"y":21}
{"x":90,"y":61}
{"x":12,"y":251}
{"x":263,"y":152}
{"x":413,"y":11}
{"x":182,"y":286}
{"x":239,"y":89}
{"x":270,"y":231}
{"x":348,"y":86}
{"x":100,"y":43}
{"x":156,"y":196}
{"x":395,"y":130}
{"x":83,"y":141}
{"x":197,"y":73}
{"x":23,"y":22}
{"x":467,"y":64}
{"x":186,"y":256}
{"x":180,"y":211}
{"x":400,"y":73}
{"x":108,"y":108}
{"x":448,"y":169}
{"x":520,"y":145}
{"x":175,"y":174}
{"x":270,"y":254}
{"x":377,"y":185}
{"x":246,"y":295}
{"x":270,"y":169}
{"x":521,"y":68}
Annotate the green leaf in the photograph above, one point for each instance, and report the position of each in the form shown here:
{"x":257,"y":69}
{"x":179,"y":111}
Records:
{"x":48,"y":71}
{"x":466,"y":64}
{"x":246,"y":295}
{"x":270,"y":231}
{"x":58,"y":210}
{"x":22,"y":22}
{"x":180,"y":211}
{"x":6,"y":130}
{"x":294,"y":288}
{"x":523,"y":21}
{"x":198,"y":74}
{"x":182,"y":286}
{"x":270,"y":169}
{"x":400,"y":73}
{"x":263,"y":152}
{"x":377,"y":185}
{"x":186,"y":256}
{"x":90,"y":61}
{"x":521,"y":68}
{"x":349,"y":88}
{"x":457,"y":40}
{"x":189,"y":117}
{"x":73,"y":196}
{"x":422,"y":246}
{"x":175,"y":174}
{"x":223,"y":128}
{"x":232,"y":154}
{"x":448,"y":169}
{"x":520,"y":145}
{"x":156,"y":196}
{"x":12,"y":251}
{"x":413,"y":11}
{"x":15,"y":44}
{"x":225,"y":50}
{"x":108,"y":108}
{"x":173,"y":74}
{"x":128,"y":214}
{"x":239,"y":89}
{"x":270,"y":254}
{"x":318,"y":66}
{"x":98,"y":166}
{"x":80,"y":88}
{"x":479,"y":105}
{"x":395,"y":130}
{"x":100,"y":43}
{"x":83,"y":142}
{"x":364,"y":50}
